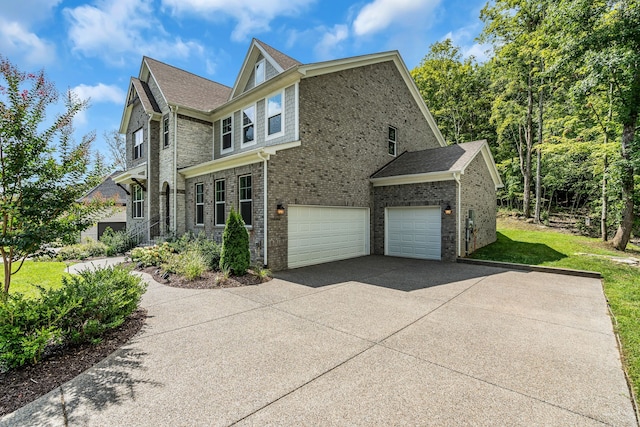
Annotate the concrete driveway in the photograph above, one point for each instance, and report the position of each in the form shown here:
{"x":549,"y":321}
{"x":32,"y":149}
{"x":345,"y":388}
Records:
{"x":370,"y":341}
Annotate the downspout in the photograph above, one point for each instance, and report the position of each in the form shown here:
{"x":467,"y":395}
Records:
{"x":175,"y":169}
{"x":149,"y":178}
{"x":265,"y":215}
{"x":456,"y":176}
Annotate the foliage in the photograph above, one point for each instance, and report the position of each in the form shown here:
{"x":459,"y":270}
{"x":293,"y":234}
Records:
{"x":457,"y":93}
{"x":521,"y":244}
{"x":40,"y":181}
{"x":235,"y":253}
{"x":261,"y":272}
{"x":81,"y":251}
{"x":117,"y":242}
{"x":190,"y":264}
{"x":81,"y":310}
{"x":152,"y":255}
{"x":209,"y":249}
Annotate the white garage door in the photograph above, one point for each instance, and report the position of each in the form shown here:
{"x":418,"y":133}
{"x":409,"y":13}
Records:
{"x":320,"y":234}
{"x":413,"y":232}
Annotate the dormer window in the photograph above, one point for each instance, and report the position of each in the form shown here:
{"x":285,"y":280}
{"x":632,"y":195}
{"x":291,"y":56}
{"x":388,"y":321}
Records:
{"x":248,"y":124}
{"x":260,"y":72}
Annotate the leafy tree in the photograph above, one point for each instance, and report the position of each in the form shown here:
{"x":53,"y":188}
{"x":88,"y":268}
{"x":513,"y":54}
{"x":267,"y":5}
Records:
{"x":602,"y":50}
{"x":514,"y":29}
{"x":40,"y":181}
{"x":235,"y":255}
{"x":457,"y":93}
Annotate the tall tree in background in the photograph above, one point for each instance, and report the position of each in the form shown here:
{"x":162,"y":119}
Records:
{"x":604,"y":47}
{"x":40,"y":181}
{"x":457,"y":93}
{"x":513,"y":27}
{"x":117,"y":150}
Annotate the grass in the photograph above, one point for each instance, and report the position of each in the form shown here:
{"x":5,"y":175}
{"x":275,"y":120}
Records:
{"x":45,"y":274}
{"x":530,"y":244}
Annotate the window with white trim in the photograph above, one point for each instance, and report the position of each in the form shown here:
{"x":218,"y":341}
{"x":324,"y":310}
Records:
{"x":138,"y":201}
{"x":199,"y":203}
{"x":245,"y":200}
{"x":274,"y":114}
{"x":138,"y":146}
{"x":260,"y":72}
{"x":226,"y":134}
{"x":393,"y":140}
{"x":165,"y":132}
{"x":248,"y":125}
{"x":220,"y":199}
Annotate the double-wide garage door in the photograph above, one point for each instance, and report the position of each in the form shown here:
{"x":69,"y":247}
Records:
{"x":320,"y":234}
{"x":413,"y":232}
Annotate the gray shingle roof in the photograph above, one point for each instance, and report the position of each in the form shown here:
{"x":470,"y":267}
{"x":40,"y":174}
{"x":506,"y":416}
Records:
{"x":146,"y":97}
{"x":182,"y":88}
{"x":451,"y":158}
{"x":283,"y":60}
{"x":108,"y":189}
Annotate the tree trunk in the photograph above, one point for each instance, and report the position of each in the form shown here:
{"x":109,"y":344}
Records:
{"x":539,"y":157}
{"x":605,"y":201}
{"x":623,"y":234}
{"x":526,"y":200}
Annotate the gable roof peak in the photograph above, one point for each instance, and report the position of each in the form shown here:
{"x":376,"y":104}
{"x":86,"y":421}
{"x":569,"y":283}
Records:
{"x":284,"y":61}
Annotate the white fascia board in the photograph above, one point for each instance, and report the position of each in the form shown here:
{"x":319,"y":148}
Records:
{"x":256,"y":155}
{"x":139,"y":172}
{"x":250,"y":57}
{"x":491,"y":164}
{"x":414,"y":178}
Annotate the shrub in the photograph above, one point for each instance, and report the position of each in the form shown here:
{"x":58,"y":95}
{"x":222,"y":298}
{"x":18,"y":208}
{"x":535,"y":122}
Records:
{"x":116,"y":242}
{"x":193,"y":264}
{"x":235,"y":253}
{"x":81,"y":310}
{"x":210,"y":251}
{"x":89,"y":248}
{"x":152,"y":255}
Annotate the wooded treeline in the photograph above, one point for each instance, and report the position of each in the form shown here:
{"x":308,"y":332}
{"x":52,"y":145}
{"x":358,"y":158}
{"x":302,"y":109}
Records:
{"x":558,"y":103}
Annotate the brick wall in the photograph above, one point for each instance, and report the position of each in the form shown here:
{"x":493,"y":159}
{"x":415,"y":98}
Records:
{"x":478,"y":193}
{"x":344,"y":119}
{"x":424,"y":194}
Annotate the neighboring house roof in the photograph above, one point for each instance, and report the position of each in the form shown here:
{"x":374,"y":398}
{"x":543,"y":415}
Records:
{"x":186,"y":89}
{"x":146,"y":97}
{"x":435,"y":164}
{"x":108,"y":189}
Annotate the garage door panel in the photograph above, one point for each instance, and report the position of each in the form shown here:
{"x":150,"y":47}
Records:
{"x":413,"y":232}
{"x":320,"y":234}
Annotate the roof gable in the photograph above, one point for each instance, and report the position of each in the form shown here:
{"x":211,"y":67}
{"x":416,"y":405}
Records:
{"x":138,"y":90}
{"x":436,"y":164}
{"x":107,"y":190}
{"x":184,"y":89}
{"x":275,"y":63}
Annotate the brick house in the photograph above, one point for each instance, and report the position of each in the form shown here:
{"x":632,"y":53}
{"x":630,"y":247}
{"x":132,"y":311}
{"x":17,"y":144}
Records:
{"x":324,"y":161}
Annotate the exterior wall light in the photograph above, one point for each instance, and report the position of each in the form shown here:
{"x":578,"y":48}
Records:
{"x":280,"y":209}
{"x":447,"y":210}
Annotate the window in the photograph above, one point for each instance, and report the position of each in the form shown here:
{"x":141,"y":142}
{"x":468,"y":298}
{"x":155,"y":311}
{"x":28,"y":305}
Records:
{"x":138,"y":202}
{"x":220,"y":197}
{"x":165,"y":131}
{"x":227,"y":134}
{"x":248,"y":121}
{"x":260,"y":72}
{"x":245,"y":199}
{"x":274,"y":114}
{"x":393,"y":142}
{"x":138,"y":146}
{"x":199,"y":204}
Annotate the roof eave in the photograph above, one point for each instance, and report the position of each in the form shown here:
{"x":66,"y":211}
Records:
{"x":418,"y":178}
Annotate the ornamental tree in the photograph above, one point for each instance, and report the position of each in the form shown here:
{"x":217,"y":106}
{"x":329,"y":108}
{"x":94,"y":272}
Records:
{"x":235,"y":254}
{"x":43,"y":172}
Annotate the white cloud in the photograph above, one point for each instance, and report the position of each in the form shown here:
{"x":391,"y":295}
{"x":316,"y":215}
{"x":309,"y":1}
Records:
{"x":380,"y":14}
{"x":116,"y":30}
{"x":464,"y":38}
{"x":100,"y":93}
{"x":328,"y":46}
{"x":252,"y":16}
{"x":17,"y":40}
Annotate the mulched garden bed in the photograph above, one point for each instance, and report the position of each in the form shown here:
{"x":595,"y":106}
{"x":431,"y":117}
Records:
{"x":209,"y":280}
{"x":24,"y":385}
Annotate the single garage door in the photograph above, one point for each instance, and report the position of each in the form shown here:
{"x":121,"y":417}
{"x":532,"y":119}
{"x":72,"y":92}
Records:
{"x":320,"y":234}
{"x":413,"y":232}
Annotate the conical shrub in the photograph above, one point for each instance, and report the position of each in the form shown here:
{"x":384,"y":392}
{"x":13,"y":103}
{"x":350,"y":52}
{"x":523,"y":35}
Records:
{"x":235,"y":255}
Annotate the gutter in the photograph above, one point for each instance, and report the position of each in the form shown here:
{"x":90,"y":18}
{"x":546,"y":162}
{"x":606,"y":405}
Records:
{"x":456,"y":176}
{"x":148,"y":177}
{"x":175,"y":169}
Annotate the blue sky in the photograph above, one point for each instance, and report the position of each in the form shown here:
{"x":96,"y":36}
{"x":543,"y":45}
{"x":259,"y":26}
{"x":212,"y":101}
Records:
{"x":94,"y":47}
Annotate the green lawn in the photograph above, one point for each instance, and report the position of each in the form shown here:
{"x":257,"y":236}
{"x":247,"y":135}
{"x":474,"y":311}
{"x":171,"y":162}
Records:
{"x":529,"y":244}
{"x":46,"y":274}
